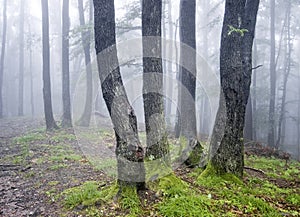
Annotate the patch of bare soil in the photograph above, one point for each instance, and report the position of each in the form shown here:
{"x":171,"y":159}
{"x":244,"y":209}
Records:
{"x":30,"y":184}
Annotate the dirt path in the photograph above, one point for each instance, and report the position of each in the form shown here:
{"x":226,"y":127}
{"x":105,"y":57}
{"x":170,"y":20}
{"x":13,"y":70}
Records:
{"x":34,"y":173}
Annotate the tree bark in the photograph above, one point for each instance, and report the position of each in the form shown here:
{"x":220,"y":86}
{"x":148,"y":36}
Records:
{"x":129,"y":151}
{"x":21,"y":60}
{"x":235,"y":70}
{"x":248,"y":133}
{"x":86,"y":38}
{"x":50,"y":123}
{"x":271,"y":133}
{"x":157,"y":145}
{"x":3,"y":55}
{"x":67,"y":119}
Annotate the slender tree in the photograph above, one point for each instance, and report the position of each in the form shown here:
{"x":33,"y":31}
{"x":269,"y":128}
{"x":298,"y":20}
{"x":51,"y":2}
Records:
{"x":157,"y":145}
{"x":271,"y":133}
{"x":21,"y":59}
{"x":287,"y":70}
{"x":67,"y":119}
{"x":129,"y":151}
{"x":86,"y":38}
{"x":3,"y":54}
{"x":50,"y":123}
{"x":226,"y":154}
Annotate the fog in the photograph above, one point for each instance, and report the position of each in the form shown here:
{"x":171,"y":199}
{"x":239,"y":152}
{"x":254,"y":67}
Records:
{"x":208,"y":26}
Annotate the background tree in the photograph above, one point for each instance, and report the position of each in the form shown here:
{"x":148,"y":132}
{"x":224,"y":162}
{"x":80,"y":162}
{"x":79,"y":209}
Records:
{"x":129,"y":152}
{"x":86,"y":40}
{"x":66,"y":119}
{"x":271,"y":134}
{"x":21,"y":59}
{"x":235,"y":70}
{"x":4,"y":23}
{"x":50,"y":123}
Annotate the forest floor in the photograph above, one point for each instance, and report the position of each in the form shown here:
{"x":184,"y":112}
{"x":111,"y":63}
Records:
{"x":48,"y":174}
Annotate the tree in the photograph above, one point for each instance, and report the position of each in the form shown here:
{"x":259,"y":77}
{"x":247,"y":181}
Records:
{"x":226,"y":151}
{"x":3,"y":55}
{"x":271,"y":133}
{"x":129,"y":152}
{"x":21,"y":59}
{"x":157,"y":145}
{"x":66,"y":119}
{"x":287,"y":70}
{"x":86,"y":38}
{"x":50,"y":123}
{"x":188,"y":128}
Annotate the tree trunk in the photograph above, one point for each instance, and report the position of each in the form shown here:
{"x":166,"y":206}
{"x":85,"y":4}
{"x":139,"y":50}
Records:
{"x":188,"y":129}
{"x":67,"y":119}
{"x":271,"y":133}
{"x":85,"y":38}
{"x":157,"y":145}
{"x":248,"y":121}
{"x":50,"y":123}
{"x":129,"y":151}
{"x":3,"y":55}
{"x":21,"y":60}
{"x":287,"y":69}
{"x":235,"y":70}
{"x":254,"y":107}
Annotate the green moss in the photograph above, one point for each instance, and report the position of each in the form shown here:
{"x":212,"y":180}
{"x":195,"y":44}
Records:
{"x":129,"y":201}
{"x":87,"y":194}
{"x":191,"y":205}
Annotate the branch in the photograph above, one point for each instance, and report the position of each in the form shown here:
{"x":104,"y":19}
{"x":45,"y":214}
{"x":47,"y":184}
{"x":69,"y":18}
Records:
{"x":254,"y":169}
{"x":256,"y":67}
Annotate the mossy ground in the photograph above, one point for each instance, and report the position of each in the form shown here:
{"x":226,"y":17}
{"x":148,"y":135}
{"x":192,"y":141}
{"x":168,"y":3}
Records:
{"x":73,"y":187}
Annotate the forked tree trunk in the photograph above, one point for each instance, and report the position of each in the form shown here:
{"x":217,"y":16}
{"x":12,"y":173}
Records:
{"x":235,"y":69}
{"x":50,"y":123}
{"x":3,"y":55}
{"x":157,"y":145}
{"x":86,"y":38}
{"x":129,"y":152}
{"x":67,"y":120}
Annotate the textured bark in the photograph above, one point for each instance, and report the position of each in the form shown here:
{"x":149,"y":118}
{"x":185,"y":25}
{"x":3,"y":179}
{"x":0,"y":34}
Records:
{"x":67,"y":119}
{"x":271,"y":133}
{"x":157,"y":145}
{"x":129,"y":152}
{"x":3,"y":54}
{"x":235,"y":71}
{"x":188,"y":78}
{"x":248,"y":133}
{"x":188,"y":131}
{"x":86,"y":38}
{"x":50,"y":123}
{"x":21,"y":60}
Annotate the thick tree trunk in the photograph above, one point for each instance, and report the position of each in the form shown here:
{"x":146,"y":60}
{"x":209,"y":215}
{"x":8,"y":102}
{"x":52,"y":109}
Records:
{"x":129,"y":151}
{"x":3,"y":55}
{"x":21,"y":60}
{"x":188,"y":130}
{"x":271,"y":133}
{"x":157,"y":145}
{"x":85,"y":38}
{"x":50,"y":123}
{"x":235,"y":70}
{"x":67,"y":119}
